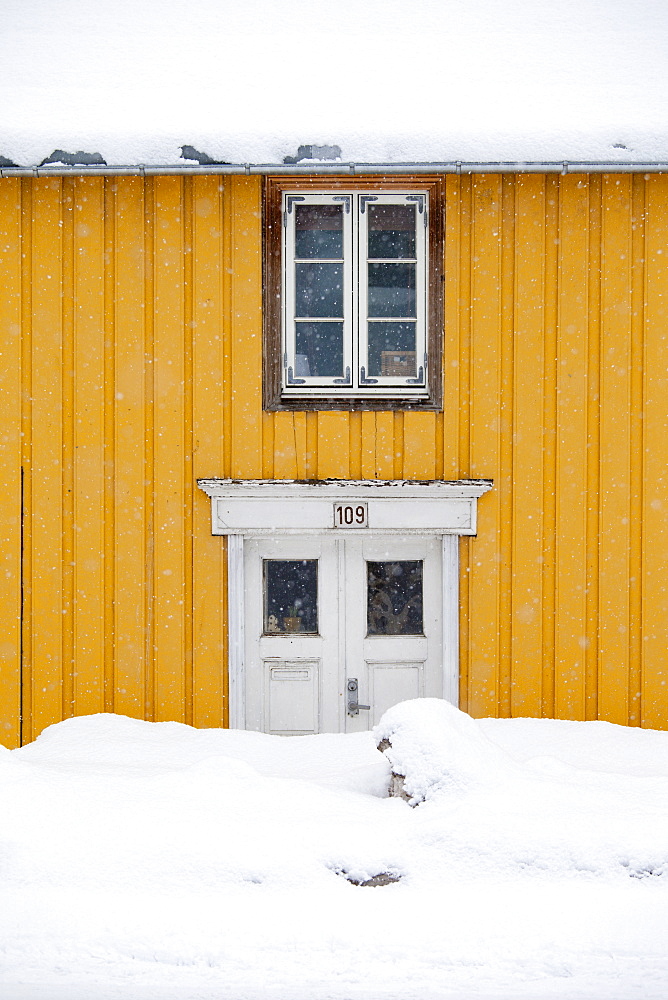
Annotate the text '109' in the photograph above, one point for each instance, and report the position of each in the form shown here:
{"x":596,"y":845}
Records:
{"x":351,"y":515}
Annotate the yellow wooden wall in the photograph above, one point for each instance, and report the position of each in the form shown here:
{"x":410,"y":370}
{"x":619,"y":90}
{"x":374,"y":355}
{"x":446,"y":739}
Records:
{"x":130,"y":315}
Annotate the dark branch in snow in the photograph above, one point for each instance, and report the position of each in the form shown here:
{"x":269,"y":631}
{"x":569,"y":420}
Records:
{"x":314,"y":153}
{"x":204,"y":160}
{"x":74,"y":159}
{"x":4,"y":162}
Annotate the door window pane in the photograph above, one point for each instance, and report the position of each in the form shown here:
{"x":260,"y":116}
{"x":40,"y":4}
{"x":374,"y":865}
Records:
{"x":394,"y":598}
{"x":290,"y":596}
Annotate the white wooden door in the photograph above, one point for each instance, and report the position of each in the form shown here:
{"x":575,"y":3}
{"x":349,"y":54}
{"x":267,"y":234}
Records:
{"x":332,"y":621}
{"x":393,"y":610}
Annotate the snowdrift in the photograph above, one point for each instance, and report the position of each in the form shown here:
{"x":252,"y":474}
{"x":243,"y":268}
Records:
{"x":152,"y":860}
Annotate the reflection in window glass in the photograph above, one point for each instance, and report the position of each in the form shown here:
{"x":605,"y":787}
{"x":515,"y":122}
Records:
{"x":392,"y":349}
{"x":394,"y":598}
{"x":319,"y":349}
{"x":319,"y":290}
{"x":319,"y":231}
{"x":290,"y":596}
{"x":391,"y":231}
{"x":391,"y":290}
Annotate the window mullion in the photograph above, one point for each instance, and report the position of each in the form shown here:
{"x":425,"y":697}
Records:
{"x":422,"y":271}
{"x":348,"y":281}
{"x":288,"y":359}
{"x":362,"y":290}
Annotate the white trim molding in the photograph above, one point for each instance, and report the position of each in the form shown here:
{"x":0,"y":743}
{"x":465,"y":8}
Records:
{"x":450,"y":622}
{"x":263,"y":507}
{"x":235,"y":624}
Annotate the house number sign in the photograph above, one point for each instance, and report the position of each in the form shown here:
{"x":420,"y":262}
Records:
{"x":351,"y":515}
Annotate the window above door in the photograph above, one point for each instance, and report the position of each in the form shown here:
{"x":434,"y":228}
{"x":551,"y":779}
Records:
{"x":353,"y":293}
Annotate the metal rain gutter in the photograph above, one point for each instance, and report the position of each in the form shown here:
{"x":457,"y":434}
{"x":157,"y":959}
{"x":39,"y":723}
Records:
{"x":324,"y":168}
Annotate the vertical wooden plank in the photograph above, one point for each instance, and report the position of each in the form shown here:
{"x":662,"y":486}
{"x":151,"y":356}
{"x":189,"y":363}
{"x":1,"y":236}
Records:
{"x":355,"y":445}
{"x":419,"y":445}
{"x":615,"y":457}
{"x":132,"y":518}
{"x":384,"y":445}
{"x":27,"y":651}
{"x":209,"y":596}
{"x":456,"y":283}
{"x":69,"y":419}
{"x":527,"y":514}
{"x":244,"y":320}
{"x":333,"y":445}
{"x":655,"y":505}
{"x":458,"y":318}
{"x":485,"y":447}
{"x":368,"y":446}
{"x":549,"y":417}
{"x":301,"y":439}
{"x":571,"y":513}
{"x":398,"y":443}
{"x":188,"y":446}
{"x":169,"y":446}
{"x":88,"y":458}
{"x":10,"y":461}
{"x":285,"y":445}
{"x":506,"y":477}
{"x":109,"y":394}
{"x":290,"y":447}
{"x":46,"y":530}
{"x":637,"y":464}
{"x":438,"y":430}
{"x":593,"y":394}
{"x":268,"y":446}
{"x":311,"y":467}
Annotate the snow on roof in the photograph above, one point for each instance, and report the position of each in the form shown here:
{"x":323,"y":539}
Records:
{"x":385,"y":81}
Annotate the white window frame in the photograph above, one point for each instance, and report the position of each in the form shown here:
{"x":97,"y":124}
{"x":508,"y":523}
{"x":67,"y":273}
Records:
{"x":355,"y":381}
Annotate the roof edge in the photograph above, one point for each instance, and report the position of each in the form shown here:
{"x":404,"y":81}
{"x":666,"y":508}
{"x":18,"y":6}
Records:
{"x":354,"y":169}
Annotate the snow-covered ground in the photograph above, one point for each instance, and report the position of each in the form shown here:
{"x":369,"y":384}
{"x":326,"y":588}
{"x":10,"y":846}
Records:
{"x":159,"y":862}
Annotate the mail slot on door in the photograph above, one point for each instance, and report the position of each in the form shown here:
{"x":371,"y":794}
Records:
{"x":351,"y":515}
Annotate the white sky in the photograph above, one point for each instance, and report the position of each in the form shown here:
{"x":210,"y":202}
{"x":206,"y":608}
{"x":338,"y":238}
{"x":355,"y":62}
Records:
{"x":385,"y":79}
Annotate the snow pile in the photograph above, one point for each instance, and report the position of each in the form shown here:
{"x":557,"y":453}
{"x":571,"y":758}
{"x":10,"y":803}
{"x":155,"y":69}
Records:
{"x":154,"y":861}
{"x":437,"y":749}
{"x":101,"y":742}
{"x":386,"y":81}
{"x":549,"y":816}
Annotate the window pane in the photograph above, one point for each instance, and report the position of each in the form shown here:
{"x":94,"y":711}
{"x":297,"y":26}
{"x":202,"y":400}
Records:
{"x":391,"y":349}
{"x":290,"y":596}
{"x":319,"y":349}
{"x":391,"y":290}
{"x":319,"y":231}
{"x":319,"y":290}
{"x":394,"y":598}
{"x":391,"y":231}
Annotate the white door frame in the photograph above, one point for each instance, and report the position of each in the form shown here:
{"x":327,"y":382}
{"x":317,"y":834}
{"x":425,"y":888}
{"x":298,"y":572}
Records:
{"x":249,"y":508}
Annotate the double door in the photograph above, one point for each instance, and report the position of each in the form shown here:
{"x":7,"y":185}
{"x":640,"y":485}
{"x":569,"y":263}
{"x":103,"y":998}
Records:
{"x":338,"y":628}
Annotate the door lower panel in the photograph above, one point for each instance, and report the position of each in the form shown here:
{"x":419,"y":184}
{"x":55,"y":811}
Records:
{"x":292,"y":697}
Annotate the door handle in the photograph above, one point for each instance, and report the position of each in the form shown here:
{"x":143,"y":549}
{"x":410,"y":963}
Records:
{"x":353,"y":694}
